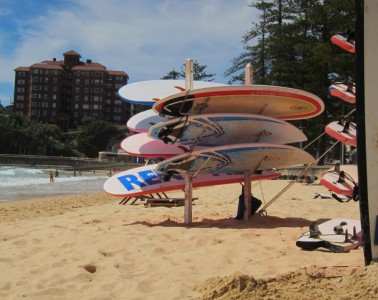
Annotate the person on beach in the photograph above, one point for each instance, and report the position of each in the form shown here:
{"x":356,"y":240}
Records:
{"x":51,"y":176}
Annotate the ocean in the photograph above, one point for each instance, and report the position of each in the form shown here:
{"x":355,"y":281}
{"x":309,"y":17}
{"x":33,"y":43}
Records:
{"x":18,"y":183}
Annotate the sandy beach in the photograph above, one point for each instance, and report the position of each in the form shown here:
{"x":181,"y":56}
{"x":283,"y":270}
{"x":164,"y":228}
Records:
{"x":89,"y":247}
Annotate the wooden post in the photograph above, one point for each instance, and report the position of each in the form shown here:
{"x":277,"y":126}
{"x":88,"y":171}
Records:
{"x":188,"y":200}
{"x":248,"y":74}
{"x":189,"y":74}
{"x":247,"y":195}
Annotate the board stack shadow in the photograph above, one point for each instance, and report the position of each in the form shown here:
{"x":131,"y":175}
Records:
{"x":214,"y":133}
{"x":343,"y":181}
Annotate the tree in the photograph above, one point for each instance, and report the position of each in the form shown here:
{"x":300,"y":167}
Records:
{"x":199,"y":73}
{"x":95,"y":137}
{"x":290,"y":46}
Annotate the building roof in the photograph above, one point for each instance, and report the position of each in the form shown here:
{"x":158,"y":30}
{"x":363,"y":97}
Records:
{"x":22,"y":69}
{"x":85,"y":66}
{"x":49,"y":64}
{"x":72,"y":53}
{"x":118,"y":73}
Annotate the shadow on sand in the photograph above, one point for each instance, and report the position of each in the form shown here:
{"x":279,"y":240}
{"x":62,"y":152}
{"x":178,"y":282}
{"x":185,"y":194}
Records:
{"x":256,"y":221}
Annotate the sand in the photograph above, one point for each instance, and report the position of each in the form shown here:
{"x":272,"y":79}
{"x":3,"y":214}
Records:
{"x":90,"y":247}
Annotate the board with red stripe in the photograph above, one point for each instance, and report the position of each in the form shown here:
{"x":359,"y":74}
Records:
{"x":274,"y":101}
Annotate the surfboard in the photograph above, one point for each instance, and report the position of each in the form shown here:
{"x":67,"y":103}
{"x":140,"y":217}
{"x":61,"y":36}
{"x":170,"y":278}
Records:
{"x":279,"y":102}
{"x":344,"y":91}
{"x":145,"y":180}
{"x":337,"y":235}
{"x":343,"y":131}
{"x":342,"y":180}
{"x":142,"y":121}
{"x":224,"y":129}
{"x":140,"y":144}
{"x":235,"y":158}
{"x":148,"y":91}
{"x":342,"y":42}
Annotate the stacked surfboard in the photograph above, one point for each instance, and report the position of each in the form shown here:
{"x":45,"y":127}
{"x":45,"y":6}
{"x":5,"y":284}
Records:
{"x":343,"y":180}
{"x":212,"y":132}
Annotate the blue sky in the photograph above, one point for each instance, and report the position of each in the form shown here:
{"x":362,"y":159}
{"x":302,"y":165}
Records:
{"x":144,"y":38}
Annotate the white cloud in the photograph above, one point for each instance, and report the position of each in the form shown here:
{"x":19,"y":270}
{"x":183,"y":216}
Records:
{"x":145,"y":38}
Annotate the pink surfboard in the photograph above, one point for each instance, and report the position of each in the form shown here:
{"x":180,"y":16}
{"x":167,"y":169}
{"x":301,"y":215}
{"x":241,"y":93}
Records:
{"x":140,"y":144}
{"x":343,"y":131}
{"x":145,"y":180}
{"x":344,"y":184}
{"x":344,"y":92}
{"x":342,"y":42}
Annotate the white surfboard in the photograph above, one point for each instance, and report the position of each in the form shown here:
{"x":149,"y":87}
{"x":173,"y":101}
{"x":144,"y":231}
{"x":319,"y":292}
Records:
{"x":225,"y":129}
{"x":343,"y":131}
{"x":140,"y":144}
{"x":343,"y":43}
{"x":145,"y":180}
{"x":337,"y":235}
{"x":235,"y":158}
{"x":149,"y":91}
{"x":279,"y":102}
{"x":344,"y":91}
{"x":341,"y":180}
{"x":142,"y":121}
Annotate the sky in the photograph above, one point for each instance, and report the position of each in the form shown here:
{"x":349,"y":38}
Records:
{"x":145,"y":38}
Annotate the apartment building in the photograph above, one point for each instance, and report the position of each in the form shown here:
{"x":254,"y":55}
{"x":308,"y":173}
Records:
{"x":64,"y":91}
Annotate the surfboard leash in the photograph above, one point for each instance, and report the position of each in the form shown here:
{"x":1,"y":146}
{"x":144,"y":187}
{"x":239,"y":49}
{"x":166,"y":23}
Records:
{"x":263,"y":211}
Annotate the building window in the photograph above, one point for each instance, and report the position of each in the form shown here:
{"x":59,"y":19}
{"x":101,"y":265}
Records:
{"x":55,"y":80}
{"x":77,"y":90}
{"x":117,"y":110}
{"x":78,"y":80}
{"x":117,"y":102}
{"x":20,"y":97}
{"x":35,"y":79}
{"x":20,"y":90}
{"x":54,"y":97}
{"x":85,"y":98}
{"x":45,"y":104}
{"x":95,"y":98}
{"x":53,"y":105}
{"x":21,"y":81}
{"x":76,"y":98}
{"x":85,"y":106}
{"x":46,"y":80}
{"x":20,"y":105}
{"x":117,"y":118}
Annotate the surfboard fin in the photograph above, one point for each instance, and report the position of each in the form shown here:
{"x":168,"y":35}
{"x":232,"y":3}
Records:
{"x":314,"y":230}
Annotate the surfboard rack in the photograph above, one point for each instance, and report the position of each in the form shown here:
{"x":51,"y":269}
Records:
{"x":168,"y":202}
{"x":142,"y":198}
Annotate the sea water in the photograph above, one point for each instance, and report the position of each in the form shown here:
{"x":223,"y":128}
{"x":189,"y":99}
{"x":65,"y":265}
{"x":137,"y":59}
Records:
{"x":23,"y":183}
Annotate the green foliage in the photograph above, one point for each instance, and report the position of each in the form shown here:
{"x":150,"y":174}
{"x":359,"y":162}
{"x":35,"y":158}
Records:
{"x":19,"y":135}
{"x":290,"y":46}
{"x":199,"y":73}
{"x":95,"y":137}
